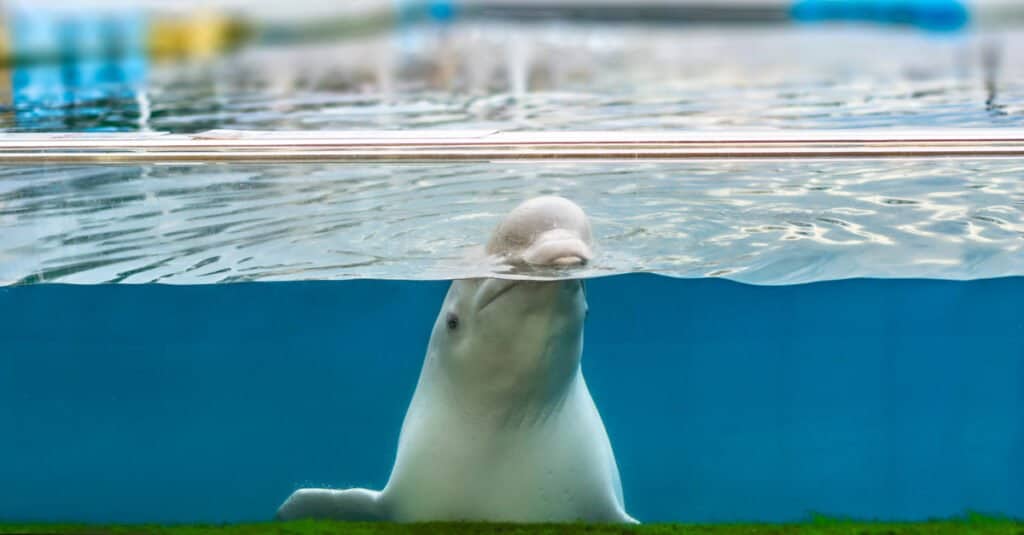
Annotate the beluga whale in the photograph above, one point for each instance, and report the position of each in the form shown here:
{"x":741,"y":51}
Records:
{"x":501,"y":426}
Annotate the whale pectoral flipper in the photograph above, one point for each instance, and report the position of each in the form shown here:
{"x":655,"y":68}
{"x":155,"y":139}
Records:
{"x":350,"y":504}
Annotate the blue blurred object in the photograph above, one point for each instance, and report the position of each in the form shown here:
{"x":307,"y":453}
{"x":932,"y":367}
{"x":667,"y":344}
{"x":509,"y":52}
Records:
{"x":416,"y":11}
{"x":441,"y":10}
{"x":67,"y":34}
{"x":65,"y":59}
{"x":936,"y":15}
{"x":926,"y":14}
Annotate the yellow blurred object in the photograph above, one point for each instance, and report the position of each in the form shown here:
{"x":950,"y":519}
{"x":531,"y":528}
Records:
{"x":201,"y":34}
{"x":6,"y":96}
{"x":5,"y":41}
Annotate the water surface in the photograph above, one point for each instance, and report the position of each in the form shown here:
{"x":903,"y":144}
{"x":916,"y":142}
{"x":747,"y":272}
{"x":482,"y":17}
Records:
{"x":768,"y":222}
{"x":762,"y":222}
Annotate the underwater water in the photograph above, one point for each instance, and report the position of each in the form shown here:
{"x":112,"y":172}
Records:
{"x":877,"y":399}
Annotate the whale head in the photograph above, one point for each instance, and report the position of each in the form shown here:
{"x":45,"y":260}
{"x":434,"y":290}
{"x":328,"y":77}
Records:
{"x":513,"y":344}
{"x":544,"y":232}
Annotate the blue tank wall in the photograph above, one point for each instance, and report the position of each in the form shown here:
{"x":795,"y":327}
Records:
{"x":873,"y":399}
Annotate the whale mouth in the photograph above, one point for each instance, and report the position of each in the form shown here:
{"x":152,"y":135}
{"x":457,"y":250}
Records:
{"x":492,"y":290}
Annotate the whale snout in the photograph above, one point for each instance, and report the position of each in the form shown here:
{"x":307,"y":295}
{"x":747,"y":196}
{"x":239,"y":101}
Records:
{"x":558,"y":248}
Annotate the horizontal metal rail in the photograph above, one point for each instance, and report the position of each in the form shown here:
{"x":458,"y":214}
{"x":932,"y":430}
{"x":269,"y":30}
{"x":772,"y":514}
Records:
{"x":454,"y":146}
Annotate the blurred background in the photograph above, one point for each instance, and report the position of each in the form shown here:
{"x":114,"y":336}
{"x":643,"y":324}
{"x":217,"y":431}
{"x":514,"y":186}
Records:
{"x":189,"y":66}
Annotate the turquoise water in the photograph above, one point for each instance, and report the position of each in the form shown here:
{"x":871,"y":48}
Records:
{"x":192,"y":343}
{"x":246,"y":374}
{"x":877,"y":399}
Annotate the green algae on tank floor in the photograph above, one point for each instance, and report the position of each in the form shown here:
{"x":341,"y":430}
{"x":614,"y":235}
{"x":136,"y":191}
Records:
{"x":817,"y":525}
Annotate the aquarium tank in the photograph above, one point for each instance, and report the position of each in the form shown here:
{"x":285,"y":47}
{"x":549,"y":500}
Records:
{"x":748,"y":265}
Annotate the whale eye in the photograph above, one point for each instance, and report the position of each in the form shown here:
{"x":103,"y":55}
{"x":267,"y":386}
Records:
{"x":452,"y":321}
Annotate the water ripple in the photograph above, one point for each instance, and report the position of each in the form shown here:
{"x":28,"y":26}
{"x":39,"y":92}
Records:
{"x":762,"y":222}
{"x":759,"y":222}
{"x":536,"y":77}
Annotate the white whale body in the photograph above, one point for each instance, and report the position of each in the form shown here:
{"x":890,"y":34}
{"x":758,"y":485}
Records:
{"x":501,"y":426}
